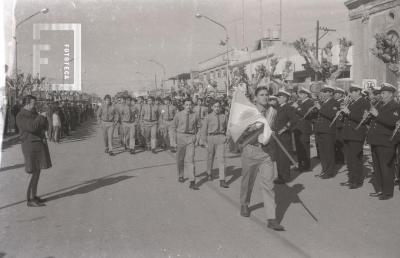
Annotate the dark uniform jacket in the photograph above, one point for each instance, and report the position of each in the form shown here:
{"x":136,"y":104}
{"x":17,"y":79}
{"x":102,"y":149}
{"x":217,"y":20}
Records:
{"x":325,"y":116}
{"x":351,"y":121}
{"x":383,"y":125}
{"x":304,"y":125}
{"x":285,"y":116}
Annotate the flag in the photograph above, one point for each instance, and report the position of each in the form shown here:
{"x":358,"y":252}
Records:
{"x":245,"y":119}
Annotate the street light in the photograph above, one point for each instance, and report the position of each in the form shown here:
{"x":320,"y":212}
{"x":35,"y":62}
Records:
{"x":199,"y":16}
{"x":163,"y":67}
{"x":42,"y":11}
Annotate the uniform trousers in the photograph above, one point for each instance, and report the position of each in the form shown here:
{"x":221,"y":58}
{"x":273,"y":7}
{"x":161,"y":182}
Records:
{"x":326,"y":145}
{"x":167,"y":135}
{"x":354,"y":160}
{"x":282,"y":161}
{"x":302,"y":142}
{"x":129,"y":134}
{"x":108,"y":133}
{"x":150,"y":133}
{"x":216,"y":147}
{"x":255,"y":160}
{"x":383,"y":162}
{"x":185,"y":155}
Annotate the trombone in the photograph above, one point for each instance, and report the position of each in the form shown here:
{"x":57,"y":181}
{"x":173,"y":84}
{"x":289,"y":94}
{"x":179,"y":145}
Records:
{"x":346,"y":103}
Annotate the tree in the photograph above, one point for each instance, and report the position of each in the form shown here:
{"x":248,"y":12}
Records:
{"x":26,"y":83}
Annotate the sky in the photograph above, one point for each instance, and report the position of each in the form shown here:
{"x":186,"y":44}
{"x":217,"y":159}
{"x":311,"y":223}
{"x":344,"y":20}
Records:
{"x":120,"y":36}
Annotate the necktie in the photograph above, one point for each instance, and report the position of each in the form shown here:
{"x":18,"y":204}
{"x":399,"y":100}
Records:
{"x":187,"y":123}
{"x":151,"y":113}
{"x":199,"y":112}
{"x":218,"y":128}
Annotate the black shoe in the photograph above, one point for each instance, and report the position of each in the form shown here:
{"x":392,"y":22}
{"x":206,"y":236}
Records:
{"x":193,"y":186}
{"x":327,"y":176}
{"x":385,"y":197}
{"x":132,"y":151}
{"x":181,"y":180}
{"x":223,"y":184}
{"x":173,"y":150}
{"x":244,"y":211}
{"x":279,"y":181}
{"x":355,"y":186}
{"x":39,"y":200}
{"x":345,"y":183}
{"x":210,"y":178}
{"x":111,"y":153}
{"x":377,"y":194}
{"x":106,"y":150}
{"x":154,"y":151}
{"x":33,"y":203}
{"x":273,"y":224}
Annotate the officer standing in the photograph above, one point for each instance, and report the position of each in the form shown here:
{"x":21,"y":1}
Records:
{"x":167,"y":113}
{"x":385,"y":115}
{"x":258,"y":157}
{"x":108,"y":117}
{"x":325,"y":134}
{"x":129,"y":115}
{"x":285,"y":120}
{"x":354,"y":138}
{"x":213,"y":133}
{"x":303,"y":129}
{"x":149,"y":120}
{"x":185,"y":125}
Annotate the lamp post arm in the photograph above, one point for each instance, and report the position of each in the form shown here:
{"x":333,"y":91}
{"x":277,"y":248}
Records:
{"x":27,"y":18}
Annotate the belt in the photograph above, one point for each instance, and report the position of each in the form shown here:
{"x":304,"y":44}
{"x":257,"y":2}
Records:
{"x":107,"y":121}
{"x":256,"y":144}
{"x":186,"y":133}
{"x":149,"y":120}
{"x":216,"y":134}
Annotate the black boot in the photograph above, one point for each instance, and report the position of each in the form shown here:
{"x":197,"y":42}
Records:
{"x":193,"y":186}
{"x":223,"y":184}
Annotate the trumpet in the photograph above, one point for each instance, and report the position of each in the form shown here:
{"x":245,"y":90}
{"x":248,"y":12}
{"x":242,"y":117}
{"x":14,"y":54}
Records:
{"x":367,"y":115}
{"x":346,"y":103}
{"x":396,"y":130}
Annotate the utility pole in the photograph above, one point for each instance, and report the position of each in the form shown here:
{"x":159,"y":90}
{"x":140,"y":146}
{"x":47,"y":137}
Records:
{"x":326,"y":30}
{"x":242,"y":23}
{"x":155,"y":81}
{"x":261,"y":21}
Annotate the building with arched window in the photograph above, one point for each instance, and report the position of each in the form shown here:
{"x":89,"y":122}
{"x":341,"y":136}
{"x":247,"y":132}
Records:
{"x":372,"y":22}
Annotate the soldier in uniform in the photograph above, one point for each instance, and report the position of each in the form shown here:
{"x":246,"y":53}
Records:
{"x":354,"y":138}
{"x":201,"y":110}
{"x":139,"y":126}
{"x":119,"y":106}
{"x":285,"y":120}
{"x":108,"y":116}
{"x":385,"y":115}
{"x":149,"y":120}
{"x":325,"y":134}
{"x":185,"y":125}
{"x":303,"y":129}
{"x":167,"y":113}
{"x":213,"y":133}
{"x":258,"y":157}
{"x":129,"y":115}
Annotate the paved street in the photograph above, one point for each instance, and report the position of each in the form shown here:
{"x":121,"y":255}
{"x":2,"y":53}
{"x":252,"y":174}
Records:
{"x":133,"y":206}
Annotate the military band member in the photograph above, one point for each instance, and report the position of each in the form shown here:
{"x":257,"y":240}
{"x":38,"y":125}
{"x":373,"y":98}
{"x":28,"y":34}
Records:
{"x":129,"y":115}
{"x":303,"y":129}
{"x":354,"y":138}
{"x":339,"y":96}
{"x":285,"y":120}
{"x":108,"y":117}
{"x":167,"y":113}
{"x":149,"y":120}
{"x":201,"y":110}
{"x":256,"y":158}
{"x":325,"y":133}
{"x":213,"y":133}
{"x":185,"y":125}
{"x":385,"y":115}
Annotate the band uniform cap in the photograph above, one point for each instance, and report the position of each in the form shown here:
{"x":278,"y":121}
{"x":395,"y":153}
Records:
{"x":272,"y":97}
{"x":327,"y":88}
{"x":304,"y":90}
{"x":354,"y":86}
{"x":283,"y":92}
{"x":339,"y":90}
{"x":388,"y":87}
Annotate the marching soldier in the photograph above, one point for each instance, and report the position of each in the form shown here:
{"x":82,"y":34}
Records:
{"x":167,"y":113}
{"x":129,"y":115}
{"x":285,"y":120}
{"x":385,"y":114}
{"x":185,"y":125}
{"x":325,"y":134}
{"x":108,"y":117}
{"x":214,"y":135}
{"x":149,"y":120}
{"x":120,"y":105}
{"x":354,"y":138}
{"x":303,"y":129}
{"x":258,"y":157}
{"x":139,"y":126}
{"x":201,"y":110}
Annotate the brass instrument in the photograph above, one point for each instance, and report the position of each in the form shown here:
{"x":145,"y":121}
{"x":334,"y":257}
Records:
{"x":346,"y":103}
{"x":396,"y":130}
{"x":309,"y":111}
{"x":367,"y":115}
